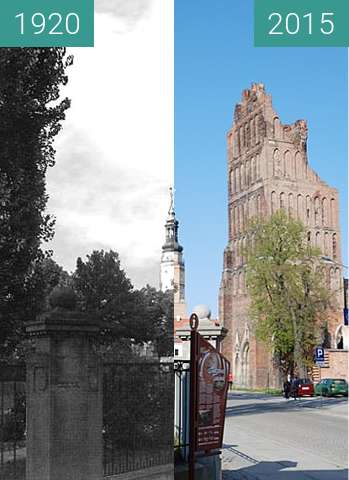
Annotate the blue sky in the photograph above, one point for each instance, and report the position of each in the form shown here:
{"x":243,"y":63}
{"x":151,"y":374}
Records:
{"x":214,"y":61}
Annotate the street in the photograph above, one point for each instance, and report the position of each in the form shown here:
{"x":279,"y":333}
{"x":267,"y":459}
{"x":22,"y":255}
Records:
{"x":268,"y":437}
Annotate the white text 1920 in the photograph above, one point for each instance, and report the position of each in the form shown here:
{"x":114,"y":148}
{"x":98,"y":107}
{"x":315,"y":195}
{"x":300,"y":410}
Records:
{"x":52,"y":24}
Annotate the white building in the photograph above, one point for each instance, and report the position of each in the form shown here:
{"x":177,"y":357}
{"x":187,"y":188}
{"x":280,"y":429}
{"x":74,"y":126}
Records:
{"x":172,"y":264}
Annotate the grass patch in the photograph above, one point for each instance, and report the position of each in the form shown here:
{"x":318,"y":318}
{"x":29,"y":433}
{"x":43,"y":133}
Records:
{"x":267,"y":391}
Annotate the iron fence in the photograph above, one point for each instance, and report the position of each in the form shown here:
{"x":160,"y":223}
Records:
{"x":12,"y":422}
{"x":137,"y":415}
{"x":181,"y":413}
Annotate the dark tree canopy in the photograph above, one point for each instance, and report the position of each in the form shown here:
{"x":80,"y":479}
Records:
{"x":106,"y":293}
{"x":156,"y":315}
{"x":31,"y":115}
{"x":103,"y":288}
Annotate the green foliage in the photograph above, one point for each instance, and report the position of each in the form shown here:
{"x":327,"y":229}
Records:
{"x":287,"y":293}
{"x":31,"y":116}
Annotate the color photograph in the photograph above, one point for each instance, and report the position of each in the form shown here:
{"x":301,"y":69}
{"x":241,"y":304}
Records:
{"x":261,"y":185}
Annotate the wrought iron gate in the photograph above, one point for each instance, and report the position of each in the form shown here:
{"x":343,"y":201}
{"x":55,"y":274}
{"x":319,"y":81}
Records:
{"x":12,"y":422}
{"x":181,"y":414}
{"x":137,"y":415}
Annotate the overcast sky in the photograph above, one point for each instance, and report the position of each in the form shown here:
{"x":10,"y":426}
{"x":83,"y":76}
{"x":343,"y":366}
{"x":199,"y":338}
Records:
{"x":114,"y":163}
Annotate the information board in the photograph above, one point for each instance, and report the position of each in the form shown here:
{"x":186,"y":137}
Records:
{"x":213,"y":372}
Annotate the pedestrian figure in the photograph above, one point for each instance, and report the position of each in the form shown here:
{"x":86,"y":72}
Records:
{"x":287,"y":388}
{"x":230,"y":381}
{"x":294,"y":388}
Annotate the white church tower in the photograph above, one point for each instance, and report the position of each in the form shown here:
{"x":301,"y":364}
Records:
{"x":172,"y":263}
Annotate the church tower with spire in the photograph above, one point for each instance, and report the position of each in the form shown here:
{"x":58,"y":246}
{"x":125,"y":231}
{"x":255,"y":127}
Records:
{"x":172,"y":263}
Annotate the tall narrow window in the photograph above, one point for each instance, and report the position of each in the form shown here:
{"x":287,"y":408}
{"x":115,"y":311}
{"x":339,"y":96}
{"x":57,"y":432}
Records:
{"x":326,"y":252}
{"x":324,"y":212}
{"x":252,"y":132}
{"x":273,"y":202}
{"x":253,"y":170}
{"x":276,"y":162}
{"x":248,"y":174}
{"x":232,"y":181}
{"x":317,"y":211}
{"x":300,"y":207}
{"x":287,"y":164}
{"x":333,"y":213}
{"x":290,"y":205}
{"x":242,"y":176}
{"x":299,"y":165}
{"x":256,"y":122}
{"x":276,"y":124}
{"x":242,"y":138}
{"x":242,"y":218}
{"x":334,"y":246}
{"x":282,"y":200}
{"x":307,"y":210}
{"x":237,"y":179}
{"x":317,"y":239}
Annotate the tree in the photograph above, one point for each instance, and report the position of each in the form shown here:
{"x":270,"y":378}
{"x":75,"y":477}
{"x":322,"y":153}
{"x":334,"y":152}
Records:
{"x":157,"y":315}
{"x":138,"y":316}
{"x":104,"y":291}
{"x":31,"y":116}
{"x":43,"y":277}
{"x":287,"y":294}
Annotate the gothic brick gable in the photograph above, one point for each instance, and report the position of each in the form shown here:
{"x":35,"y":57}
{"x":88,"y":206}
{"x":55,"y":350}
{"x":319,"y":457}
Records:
{"x":268,"y":169}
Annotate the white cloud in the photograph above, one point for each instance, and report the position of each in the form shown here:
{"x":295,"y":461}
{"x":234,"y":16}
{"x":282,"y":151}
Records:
{"x":109,"y":188}
{"x":130,"y":11}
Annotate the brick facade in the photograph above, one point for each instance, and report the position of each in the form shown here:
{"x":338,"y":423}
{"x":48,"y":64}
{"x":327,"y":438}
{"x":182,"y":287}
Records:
{"x":338,"y":365}
{"x":268,"y":169}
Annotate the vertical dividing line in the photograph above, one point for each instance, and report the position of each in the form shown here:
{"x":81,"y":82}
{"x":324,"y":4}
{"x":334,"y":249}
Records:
{"x":179,"y":404}
{"x":16,"y":426}
{"x":193,"y":401}
{"x":2,"y":425}
{"x":186,"y":411}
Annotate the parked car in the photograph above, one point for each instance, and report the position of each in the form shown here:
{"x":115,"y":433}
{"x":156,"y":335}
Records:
{"x":332,"y":386}
{"x":302,"y":387}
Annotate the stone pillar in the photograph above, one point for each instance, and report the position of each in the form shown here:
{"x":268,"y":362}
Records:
{"x":64,"y":395}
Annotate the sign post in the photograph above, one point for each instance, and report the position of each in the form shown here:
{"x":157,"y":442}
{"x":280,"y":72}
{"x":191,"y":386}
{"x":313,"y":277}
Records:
{"x":194,"y":322}
{"x":319,"y":358}
{"x":319,"y":355}
{"x":209,"y":377}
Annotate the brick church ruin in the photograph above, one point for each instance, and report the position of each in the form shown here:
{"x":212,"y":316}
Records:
{"x":268,"y":169}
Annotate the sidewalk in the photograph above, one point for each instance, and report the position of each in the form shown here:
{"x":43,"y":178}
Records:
{"x":274,"y":439}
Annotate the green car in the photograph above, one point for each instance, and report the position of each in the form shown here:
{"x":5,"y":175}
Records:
{"x":332,"y":386}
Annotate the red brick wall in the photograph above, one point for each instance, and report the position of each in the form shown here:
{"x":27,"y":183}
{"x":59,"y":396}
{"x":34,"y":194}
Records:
{"x":338,"y":364}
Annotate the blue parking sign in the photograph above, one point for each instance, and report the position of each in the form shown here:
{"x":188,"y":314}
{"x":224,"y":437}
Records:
{"x":319,"y":354}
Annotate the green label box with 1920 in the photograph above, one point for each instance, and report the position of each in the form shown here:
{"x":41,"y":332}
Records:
{"x":47,"y":23}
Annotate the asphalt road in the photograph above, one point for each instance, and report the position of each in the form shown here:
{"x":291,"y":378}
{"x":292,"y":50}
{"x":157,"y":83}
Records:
{"x":270,"y":438}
